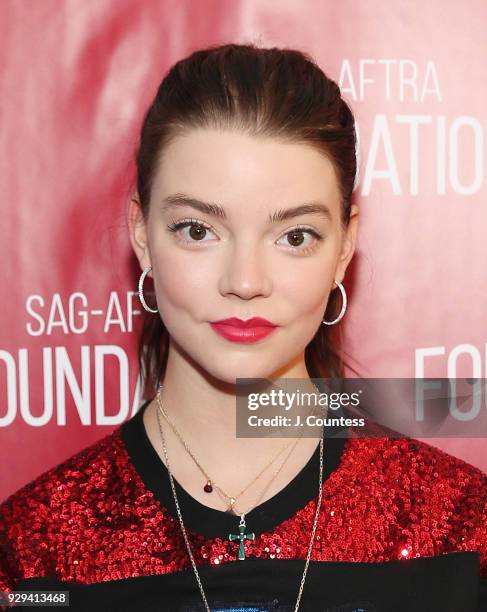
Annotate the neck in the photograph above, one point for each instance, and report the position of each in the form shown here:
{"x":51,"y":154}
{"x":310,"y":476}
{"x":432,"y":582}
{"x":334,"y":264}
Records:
{"x":203,"y":409}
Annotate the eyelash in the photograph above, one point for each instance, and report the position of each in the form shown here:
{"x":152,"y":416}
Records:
{"x":176,"y":226}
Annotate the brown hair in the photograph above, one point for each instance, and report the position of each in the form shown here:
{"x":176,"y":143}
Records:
{"x":275,"y":92}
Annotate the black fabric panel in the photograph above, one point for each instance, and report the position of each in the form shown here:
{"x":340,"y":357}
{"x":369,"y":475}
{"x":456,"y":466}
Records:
{"x":446,"y":583}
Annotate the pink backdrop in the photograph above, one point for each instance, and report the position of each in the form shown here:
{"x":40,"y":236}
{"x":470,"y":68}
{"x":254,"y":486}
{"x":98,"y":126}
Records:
{"x":76,"y":79}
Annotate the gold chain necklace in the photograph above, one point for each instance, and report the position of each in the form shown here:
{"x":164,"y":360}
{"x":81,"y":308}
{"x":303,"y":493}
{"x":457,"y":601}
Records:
{"x":211,"y":484}
{"x":232,"y":507}
{"x":242,"y":536}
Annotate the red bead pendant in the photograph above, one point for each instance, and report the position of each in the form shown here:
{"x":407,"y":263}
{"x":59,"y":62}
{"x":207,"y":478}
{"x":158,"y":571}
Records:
{"x":208,"y":488}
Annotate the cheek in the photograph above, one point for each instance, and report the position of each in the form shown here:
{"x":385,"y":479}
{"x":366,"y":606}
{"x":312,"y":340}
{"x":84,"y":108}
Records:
{"x":304,"y":298}
{"x":183,"y":280}
{"x":306,"y":292}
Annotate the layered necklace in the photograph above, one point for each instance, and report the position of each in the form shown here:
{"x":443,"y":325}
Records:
{"x":208,"y":488}
{"x":211,"y":485}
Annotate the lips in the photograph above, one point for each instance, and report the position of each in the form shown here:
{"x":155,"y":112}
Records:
{"x":247,"y":332}
{"x":253,"y":322}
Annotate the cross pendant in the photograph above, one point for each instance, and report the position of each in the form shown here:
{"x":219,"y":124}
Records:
{"x":241,"y":537}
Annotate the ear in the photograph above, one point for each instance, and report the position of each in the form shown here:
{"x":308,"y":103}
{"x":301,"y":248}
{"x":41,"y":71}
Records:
{"x":349,"y":244}
{"x":138,"y":231}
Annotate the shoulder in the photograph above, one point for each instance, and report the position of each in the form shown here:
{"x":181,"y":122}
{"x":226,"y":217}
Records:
{"x":431,"y":466}
{"x":429,"y":490}
{"x":91,"y":465}
{"x":427,"y":472}
{"x":418,"y":457}
{"x":39,"y":516}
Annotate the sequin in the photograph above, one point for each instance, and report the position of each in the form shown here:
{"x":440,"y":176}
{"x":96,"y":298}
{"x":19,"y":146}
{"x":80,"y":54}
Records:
{"x":91,"y":519}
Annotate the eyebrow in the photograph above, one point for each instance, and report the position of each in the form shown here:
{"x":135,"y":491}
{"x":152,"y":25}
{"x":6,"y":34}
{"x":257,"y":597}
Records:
{"x":178,"y":200}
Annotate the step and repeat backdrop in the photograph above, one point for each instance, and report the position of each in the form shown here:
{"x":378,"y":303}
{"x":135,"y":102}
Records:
{"x":76,"y":79}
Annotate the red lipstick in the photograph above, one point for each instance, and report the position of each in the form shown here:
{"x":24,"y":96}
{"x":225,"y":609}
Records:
{"x":249,"y":331}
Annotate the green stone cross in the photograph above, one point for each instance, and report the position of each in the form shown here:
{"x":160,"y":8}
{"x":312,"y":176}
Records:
{"x":241,"y":537}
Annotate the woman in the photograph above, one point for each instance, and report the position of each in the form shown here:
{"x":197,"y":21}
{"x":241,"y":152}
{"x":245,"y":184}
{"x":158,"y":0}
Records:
{"x":245,"y":173}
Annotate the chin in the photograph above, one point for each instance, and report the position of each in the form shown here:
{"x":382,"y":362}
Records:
{"x":243,"y":370}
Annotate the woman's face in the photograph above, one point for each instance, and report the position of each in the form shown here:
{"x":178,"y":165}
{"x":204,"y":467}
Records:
{"x":242,"y":265}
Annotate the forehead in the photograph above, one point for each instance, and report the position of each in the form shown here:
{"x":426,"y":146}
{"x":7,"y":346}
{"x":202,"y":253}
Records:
{"x":235,"y":169}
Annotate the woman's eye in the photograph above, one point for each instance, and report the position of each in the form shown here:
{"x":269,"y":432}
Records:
{"x":296,"y":239}
{"x":197,"y":230}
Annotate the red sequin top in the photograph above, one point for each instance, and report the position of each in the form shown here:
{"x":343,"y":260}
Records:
{"x":399,"y":518}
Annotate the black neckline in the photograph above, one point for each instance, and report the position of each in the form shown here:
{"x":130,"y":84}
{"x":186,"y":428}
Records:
{"x":210,"y":522}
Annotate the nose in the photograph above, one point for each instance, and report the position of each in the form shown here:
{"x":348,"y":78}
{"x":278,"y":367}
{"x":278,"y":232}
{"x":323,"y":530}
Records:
{"x":245,"y":273}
